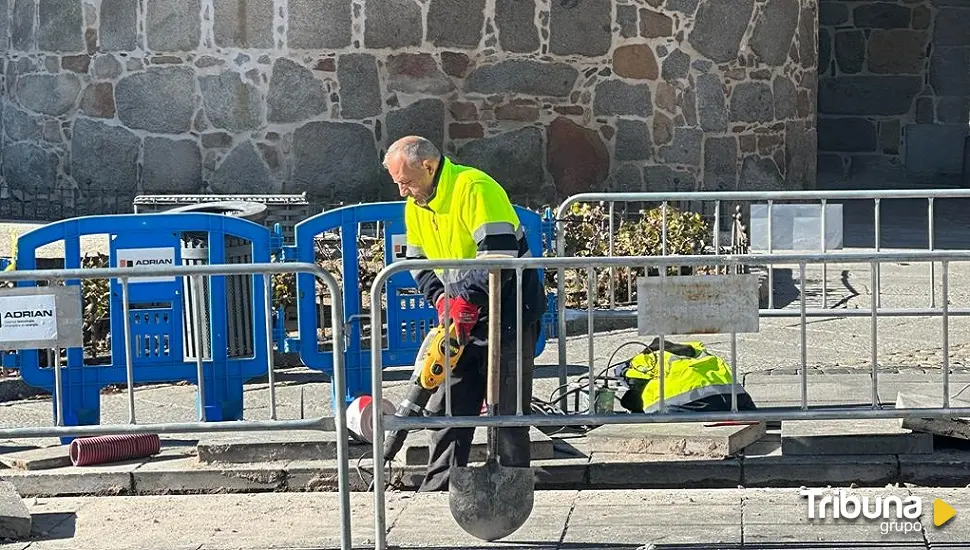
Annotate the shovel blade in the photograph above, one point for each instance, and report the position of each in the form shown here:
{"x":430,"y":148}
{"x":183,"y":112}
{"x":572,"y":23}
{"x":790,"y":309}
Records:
{"x":491,"y":502}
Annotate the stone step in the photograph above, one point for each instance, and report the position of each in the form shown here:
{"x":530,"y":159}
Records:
{"x":174,"y":474}
{"x":947,"y":427}
{"x":678,"y":439}
{"x":15,"y":520}
{"x":851,"y":437}
{"x":273,"y":446}
{"x":416,"y":448}
{"x":43,"y":458}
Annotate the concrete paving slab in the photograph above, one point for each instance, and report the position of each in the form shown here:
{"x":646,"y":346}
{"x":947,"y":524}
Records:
{"x":112,"y":479}
{"x":942,"y":468}
{"x":272,"y":446}
{"x":661,"y":497}
{"x":43,"y":458}
{"x":15,"y":519}
{"x":841,"y":437}
{"x":680,"y":439}
{"x":661,"y":536}
{"x":843,"y":535}
{"x":304,"y":520}
{"x":552,"y":474}
{"x":822,"y":390}
{"x":816,"y":378}
{"x":559,"y":473}
{"x":928,"y":385}
{"x":948,"y":427}
{"x":795,"y":471}
{"x":605,"y":515}
{"x":417,"y":445}
{"x":561,"y":519}
{"x":782,"y":517}
{"x":546,"y":524}
{"x":188,"y":475}
{"x":675,"y":516}
{"x":954,"y":532}
{"x":769,"y":445}
{"x":612,"y":470}
{"x":321,"y":475}
{"x":51,"y":528}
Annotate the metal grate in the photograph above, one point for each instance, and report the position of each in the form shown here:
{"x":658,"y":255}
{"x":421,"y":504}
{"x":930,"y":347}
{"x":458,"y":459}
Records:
{"x":286,"y":210}
{"x":239,"y":299}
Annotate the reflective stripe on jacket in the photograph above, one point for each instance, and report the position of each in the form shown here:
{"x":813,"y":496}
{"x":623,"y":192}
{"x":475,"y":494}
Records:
{"x":470,"y":216}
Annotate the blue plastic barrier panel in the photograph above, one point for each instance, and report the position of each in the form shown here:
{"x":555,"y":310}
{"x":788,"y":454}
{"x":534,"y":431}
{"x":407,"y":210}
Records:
{"x":158,"y":319}
{"x":409,"y":316}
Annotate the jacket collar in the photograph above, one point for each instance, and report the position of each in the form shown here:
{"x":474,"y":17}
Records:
{"x":443,"y":186}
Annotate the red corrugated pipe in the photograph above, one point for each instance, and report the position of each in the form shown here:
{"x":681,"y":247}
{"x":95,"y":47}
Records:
{"x":112,"y":448}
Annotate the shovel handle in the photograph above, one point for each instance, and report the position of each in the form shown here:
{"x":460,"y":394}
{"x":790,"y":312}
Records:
{"x":494,"y":337}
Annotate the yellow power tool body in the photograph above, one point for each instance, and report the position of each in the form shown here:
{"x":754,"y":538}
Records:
{"x":432,"y":365}
{"x":428,"y":376}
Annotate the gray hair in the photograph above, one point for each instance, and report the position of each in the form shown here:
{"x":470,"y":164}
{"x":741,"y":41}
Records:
{"x":415,"y":150}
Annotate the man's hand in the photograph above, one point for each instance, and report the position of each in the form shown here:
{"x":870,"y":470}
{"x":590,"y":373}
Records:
{"x":463,"y":314}
{"x":440,"y":306}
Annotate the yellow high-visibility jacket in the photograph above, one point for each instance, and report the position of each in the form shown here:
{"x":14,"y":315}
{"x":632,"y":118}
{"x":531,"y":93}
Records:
{"x":691,"y":373}
{"x":470,"y":216}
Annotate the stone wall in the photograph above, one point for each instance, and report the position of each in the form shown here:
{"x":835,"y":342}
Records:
{"x":105,"y":99}
{"x":894,"y":91}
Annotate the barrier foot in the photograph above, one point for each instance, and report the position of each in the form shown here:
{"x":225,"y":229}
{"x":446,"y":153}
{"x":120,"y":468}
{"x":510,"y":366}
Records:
{"x":81,"y":409}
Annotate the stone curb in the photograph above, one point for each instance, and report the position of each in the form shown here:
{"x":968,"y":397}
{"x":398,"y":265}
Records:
{"x":187,"y":476}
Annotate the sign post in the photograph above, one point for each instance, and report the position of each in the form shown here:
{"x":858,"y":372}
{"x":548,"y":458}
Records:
{"x":42,"y":318}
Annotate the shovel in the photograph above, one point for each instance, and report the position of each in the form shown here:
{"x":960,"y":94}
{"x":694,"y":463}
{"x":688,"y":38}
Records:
{"x":491,"y":502}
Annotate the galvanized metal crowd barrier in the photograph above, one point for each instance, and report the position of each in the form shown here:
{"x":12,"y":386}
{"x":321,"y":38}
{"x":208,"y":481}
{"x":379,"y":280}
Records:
{"x":58,"y":327}
{"x":185,"y":313}
{"x":816,"y":209}
{"x":724,"y":303}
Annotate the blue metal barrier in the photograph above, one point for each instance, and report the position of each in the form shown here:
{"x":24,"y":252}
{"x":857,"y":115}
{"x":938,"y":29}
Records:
{"x":409,"y":316}
{"x":162,"y":331}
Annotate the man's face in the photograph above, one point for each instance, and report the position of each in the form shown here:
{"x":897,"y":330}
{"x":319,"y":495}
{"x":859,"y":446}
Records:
{"x":412,"y":181}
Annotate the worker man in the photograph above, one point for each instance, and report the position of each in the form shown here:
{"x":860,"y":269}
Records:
{"x":460,"y":212}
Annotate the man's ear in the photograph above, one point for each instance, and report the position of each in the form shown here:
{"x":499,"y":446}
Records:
{"x":429,"y":166}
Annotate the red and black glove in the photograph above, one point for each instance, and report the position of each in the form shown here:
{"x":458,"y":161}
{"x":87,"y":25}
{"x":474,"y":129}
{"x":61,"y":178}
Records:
{"x":464,"y":315}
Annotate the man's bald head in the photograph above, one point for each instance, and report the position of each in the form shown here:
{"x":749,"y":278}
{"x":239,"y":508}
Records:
{"x":412,"y":162}
{"x":414,"y":149}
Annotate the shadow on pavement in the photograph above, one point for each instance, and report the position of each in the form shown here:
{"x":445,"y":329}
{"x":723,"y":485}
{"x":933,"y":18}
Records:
{"x":786,"y":291}
{"x":52,"y":526}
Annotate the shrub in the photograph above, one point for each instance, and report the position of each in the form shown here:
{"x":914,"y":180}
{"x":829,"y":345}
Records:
{"x":587,"y":230}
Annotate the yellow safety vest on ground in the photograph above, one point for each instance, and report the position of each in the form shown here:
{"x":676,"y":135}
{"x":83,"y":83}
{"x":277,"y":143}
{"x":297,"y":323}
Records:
{"x":691,"y":374}
{"x":469,"y":216}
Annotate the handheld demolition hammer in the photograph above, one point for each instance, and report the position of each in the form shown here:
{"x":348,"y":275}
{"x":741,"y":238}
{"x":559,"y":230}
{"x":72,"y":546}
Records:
{"x":429,"y":374}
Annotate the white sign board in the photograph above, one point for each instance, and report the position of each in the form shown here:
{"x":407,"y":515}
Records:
{"x":697,"y":304}
{"x":796,"y":227}
{"x":40,"y":317}
{"x":28,"y":318}
{"x":144,"y":257}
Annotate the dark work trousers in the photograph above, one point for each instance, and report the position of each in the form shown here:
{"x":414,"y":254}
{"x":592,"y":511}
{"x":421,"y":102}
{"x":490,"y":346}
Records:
{"x":451,"y":446}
